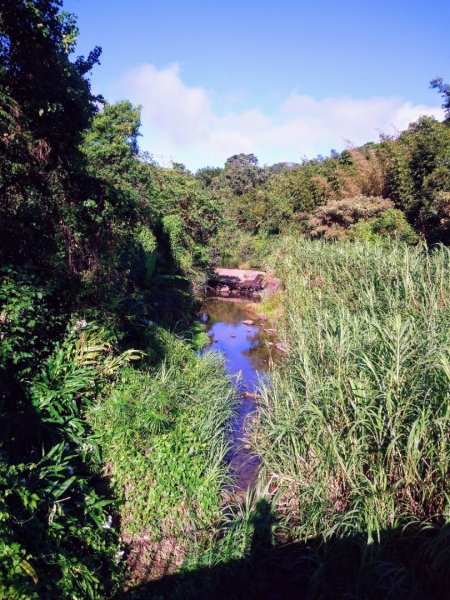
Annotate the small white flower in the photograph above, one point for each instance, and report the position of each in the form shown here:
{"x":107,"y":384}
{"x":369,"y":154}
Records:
{"x":80,"y":324}
{"x":119,"y":555}
{"x":108,"y":523}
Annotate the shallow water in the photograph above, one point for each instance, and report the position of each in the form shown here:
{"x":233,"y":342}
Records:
{"x":247,"y":357}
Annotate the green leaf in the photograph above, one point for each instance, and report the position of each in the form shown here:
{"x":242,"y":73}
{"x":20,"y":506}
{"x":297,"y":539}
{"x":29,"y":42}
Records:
{"x":59,"y":491}
{"x":29,"y":570}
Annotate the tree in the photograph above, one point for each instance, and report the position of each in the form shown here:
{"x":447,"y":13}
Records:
{"x":444,"y":89}
{"x":50,"y":92}
{"x":207,"y":175}
{"x":242,"y":173}
{"x":45,"y":104}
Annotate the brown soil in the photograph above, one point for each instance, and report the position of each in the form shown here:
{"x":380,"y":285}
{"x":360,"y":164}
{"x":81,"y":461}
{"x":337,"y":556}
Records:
{"x":148,"y":560}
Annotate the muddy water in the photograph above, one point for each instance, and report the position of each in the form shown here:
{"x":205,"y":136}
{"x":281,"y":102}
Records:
{"x":248,"y":354}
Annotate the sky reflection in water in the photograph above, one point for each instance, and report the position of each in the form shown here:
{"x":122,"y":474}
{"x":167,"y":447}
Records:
{"x":247,"y":356}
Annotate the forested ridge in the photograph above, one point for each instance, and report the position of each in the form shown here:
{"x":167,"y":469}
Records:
{"x":113,"y":432}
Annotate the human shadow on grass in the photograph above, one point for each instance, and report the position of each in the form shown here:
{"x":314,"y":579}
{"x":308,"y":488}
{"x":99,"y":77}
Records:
{"x":408,"y":563}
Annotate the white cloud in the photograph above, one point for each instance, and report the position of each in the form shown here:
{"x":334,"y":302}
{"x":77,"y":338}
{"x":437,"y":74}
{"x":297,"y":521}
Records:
{"x":179,"y":121}
{"x":180,"y":112}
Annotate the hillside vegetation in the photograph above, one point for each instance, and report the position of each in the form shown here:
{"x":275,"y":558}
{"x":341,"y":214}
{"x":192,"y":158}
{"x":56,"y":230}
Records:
{"x":397,"y":188}
{"x":113,"y":429}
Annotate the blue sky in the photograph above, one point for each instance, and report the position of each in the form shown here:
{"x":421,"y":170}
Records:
{"x":282,"y":80}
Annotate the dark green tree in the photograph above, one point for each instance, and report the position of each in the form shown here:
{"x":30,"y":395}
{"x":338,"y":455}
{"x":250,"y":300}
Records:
{"x":45,"y":105}
{"x":444,"y":89}
{"x":242,"y":173}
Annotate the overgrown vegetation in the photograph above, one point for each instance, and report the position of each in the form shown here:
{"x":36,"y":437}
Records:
{"x":99,"y":247}
{"x":164,"y":435}
{"x":354,"y":431}
{"x":114,"y":430}
{"x":349,"y":194}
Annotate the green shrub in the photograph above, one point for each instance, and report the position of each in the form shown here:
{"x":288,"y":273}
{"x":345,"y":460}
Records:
{"x":28,"y":324}
{"x":334,"y":220}
{"x":390,"y":224}
{"x":55,"y":526}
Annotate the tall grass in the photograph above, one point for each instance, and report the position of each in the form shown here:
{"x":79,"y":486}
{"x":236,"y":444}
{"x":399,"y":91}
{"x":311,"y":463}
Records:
{"x":354,"y":431}
{"x":164,"y":437}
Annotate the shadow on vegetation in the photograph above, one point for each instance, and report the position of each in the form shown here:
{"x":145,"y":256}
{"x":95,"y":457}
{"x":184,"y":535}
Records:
{"x":18,"y":418}
{"x":408,"y":563}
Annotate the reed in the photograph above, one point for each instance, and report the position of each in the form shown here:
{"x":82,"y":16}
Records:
{"x":354,"y":430}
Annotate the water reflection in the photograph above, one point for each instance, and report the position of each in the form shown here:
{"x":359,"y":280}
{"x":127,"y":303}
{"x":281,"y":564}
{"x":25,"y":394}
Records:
{"x":236,"y":331}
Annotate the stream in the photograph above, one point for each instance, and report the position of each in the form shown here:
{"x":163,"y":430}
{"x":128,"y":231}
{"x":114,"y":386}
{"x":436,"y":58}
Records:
{"x":236,"y":330}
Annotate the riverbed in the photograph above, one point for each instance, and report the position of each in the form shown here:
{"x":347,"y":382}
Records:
{"x":247,"y":342}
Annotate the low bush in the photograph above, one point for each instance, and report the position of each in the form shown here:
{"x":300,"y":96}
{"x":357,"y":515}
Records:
{"x":334,"y":219}
{"x":56,"y":534}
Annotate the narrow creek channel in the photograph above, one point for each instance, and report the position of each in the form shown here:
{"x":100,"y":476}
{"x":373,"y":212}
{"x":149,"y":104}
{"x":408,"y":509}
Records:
{"x":237,"y":331}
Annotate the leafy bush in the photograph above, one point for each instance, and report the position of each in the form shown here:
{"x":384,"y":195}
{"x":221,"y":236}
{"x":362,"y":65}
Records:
{"x":55,"y":525}
{"x":28,"y":325}
{"x":333,"y":220}
{"x":390,"y":224}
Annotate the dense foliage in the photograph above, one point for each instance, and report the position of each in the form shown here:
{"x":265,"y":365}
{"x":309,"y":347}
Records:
{"x":98,"y":245}
{"x":113,"y":431}
{"x":339,"y":196}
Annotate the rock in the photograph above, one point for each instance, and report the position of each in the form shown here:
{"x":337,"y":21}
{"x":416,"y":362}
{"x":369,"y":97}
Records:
{"x":248,"y":322}
{"x":250,"y":395}
{"x":241,"y":282}
{"x":244,"y":283}
{"x":281,"y":347}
